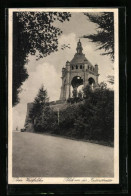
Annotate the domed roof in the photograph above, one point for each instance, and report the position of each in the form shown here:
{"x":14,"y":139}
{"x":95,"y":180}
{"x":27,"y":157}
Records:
{"x":79,"y":57}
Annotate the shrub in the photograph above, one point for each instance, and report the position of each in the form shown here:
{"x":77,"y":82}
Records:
{"x":92,"y":118}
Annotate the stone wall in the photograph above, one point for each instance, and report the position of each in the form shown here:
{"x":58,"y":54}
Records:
{"x":29,"y":126}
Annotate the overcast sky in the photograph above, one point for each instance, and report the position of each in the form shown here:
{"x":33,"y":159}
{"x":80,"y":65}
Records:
{"x":47,"y":71}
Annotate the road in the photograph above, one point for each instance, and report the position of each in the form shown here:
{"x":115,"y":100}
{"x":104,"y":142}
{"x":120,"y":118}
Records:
{"x":36,"y":155}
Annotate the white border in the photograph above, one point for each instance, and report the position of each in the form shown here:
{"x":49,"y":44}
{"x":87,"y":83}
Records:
{"x":115,"y":180}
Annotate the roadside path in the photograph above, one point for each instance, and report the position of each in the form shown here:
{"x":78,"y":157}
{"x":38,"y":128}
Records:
{"x":36,"y":155}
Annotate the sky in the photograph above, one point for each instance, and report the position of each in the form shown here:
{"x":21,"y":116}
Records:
{"x":47,"y":71}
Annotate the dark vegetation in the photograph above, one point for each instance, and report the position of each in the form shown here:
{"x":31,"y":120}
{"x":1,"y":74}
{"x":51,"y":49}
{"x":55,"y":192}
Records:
{"x":33,"y":33}
{"x":104,"y":36}
{"x":89,"y":117}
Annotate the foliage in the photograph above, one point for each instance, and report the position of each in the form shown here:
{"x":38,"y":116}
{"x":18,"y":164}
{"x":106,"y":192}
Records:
{"x":40,"y":102}
{"x":90,"y":119}
{"x":77,"y":97}
{"x":87,"y":91}
{"x":33,"y":32}
{"x":42,"y":116}
{"x":74,"y":93}
{"x":80,"y":94}
{"x":105,"y":32}
{"x":47,"y":121}
{"x":74,"y":100}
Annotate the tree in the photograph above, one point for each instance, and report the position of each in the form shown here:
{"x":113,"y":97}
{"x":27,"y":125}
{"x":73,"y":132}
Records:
{"x":33,"y":32}
{"x":87,"y":91}
{"x":43,"y":118}
{"x":80,"y":94}
{"x":92,"y":119}
{"x":105,"y":32}
{"x":74,"y":92}
{"x":40,"y":102}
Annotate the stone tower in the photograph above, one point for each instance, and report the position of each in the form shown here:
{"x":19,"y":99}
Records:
{"x":79,"y":71}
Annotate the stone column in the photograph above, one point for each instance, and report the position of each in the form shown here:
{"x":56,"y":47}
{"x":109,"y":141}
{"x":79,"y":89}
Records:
{"x":85,"y":75}
{"x":68,"y":80}
{"x":96,"y":71}
{"x":97,"y":79}
{"x":61,"y":94}
{"x":62,"y":87}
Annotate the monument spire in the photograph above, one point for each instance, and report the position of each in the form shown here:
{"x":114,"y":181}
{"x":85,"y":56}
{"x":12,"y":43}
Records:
{"x":79,"y":47}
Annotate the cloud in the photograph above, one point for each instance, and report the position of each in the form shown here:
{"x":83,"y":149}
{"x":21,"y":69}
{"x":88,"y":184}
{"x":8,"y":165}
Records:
{"x":47,"y":71}
{"x":59,"y":58}
{"x":44,"y":74}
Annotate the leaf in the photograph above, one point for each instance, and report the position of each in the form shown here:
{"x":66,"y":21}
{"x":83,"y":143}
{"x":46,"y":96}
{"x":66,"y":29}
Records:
{"x":104,"y":32}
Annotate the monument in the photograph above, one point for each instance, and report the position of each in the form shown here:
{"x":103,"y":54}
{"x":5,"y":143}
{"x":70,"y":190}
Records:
{"x":79,"y":71}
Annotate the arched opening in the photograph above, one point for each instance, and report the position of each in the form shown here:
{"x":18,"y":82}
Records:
{"x":80,"y":66}
{"x":76,"y":66}
{"x":64,"y":88}
{"x":91,"y":82}
{"x":75,"y":83}
{"x":72,"y":67}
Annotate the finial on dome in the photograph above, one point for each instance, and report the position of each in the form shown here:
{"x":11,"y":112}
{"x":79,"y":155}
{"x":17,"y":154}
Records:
{"x":79,"y":47}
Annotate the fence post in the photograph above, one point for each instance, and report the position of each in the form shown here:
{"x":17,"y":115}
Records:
{"x":58,"y":116}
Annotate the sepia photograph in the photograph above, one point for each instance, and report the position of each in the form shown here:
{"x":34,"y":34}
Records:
{"x":63,"y":96}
